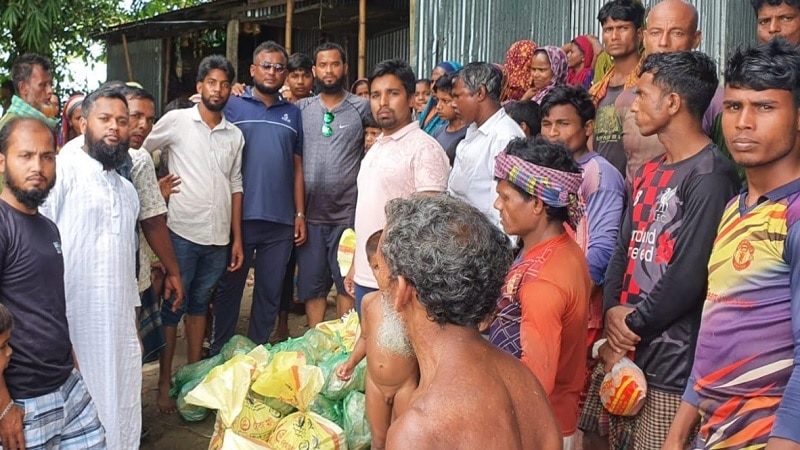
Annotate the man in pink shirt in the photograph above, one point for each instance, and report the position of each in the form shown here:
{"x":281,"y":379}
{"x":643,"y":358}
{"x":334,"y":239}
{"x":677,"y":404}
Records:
{"x":403,"y":160}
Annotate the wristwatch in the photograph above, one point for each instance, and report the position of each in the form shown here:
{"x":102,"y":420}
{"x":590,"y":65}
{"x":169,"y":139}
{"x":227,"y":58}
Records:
{"x":300,"y":215}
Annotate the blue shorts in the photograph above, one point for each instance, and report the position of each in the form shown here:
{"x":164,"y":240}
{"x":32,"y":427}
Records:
{"x":201,"y":267}
{"x":64,"y":419}
{"x":317,"y":263}
{"x":361,"y":291}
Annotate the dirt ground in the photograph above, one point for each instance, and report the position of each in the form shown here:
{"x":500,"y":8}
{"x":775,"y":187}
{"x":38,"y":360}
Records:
{"x":170,"y":432}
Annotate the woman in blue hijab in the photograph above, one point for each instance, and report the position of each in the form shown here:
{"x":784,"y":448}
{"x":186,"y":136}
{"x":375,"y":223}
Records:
{"x":429,"y":121}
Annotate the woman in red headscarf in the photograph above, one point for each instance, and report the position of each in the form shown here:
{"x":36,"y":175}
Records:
{"x":518,"y":77}
{"x":580,"y":58}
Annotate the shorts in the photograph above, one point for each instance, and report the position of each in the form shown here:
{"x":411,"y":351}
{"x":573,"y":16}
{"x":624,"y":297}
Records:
{"x":201,"y":268}
{"x":64,"y":419}
{"x":361,"y":291}
{"x":317,"y":263}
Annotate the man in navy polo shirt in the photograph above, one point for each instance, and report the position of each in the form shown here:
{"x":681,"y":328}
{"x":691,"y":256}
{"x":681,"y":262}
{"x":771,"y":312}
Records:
{"x":273,"y":216}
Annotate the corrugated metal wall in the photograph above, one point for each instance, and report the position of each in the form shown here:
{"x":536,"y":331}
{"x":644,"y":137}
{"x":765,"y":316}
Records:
{"x":146,"y":65}
{"x":393,"y":44}
{"x":482,"y":30}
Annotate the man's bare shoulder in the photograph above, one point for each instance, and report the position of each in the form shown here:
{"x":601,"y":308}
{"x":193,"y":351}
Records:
{"x":413,"y":429}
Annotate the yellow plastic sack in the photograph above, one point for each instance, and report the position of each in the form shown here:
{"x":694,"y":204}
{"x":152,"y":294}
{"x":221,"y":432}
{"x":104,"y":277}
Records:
{"x":347,"y":250}
{"x":289,"y":379}
{"x":225,"y":388}
{"x":624,"y":389}
{"x":345,"y":330}
{"x":255,"y":424}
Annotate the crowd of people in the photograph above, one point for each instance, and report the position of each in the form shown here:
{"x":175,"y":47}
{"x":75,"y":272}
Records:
{"x":522,"y":229}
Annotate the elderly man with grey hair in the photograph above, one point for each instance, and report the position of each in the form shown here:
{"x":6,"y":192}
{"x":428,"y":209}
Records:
{"x":476,"y":95}
{"x":446,"y":264}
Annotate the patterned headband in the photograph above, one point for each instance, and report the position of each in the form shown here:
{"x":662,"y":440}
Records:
{"x":554,"y":187}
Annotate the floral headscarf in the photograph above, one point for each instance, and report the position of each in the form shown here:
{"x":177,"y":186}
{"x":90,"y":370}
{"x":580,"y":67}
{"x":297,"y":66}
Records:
{"x":517,"y":74}
{"x":558,"y":64}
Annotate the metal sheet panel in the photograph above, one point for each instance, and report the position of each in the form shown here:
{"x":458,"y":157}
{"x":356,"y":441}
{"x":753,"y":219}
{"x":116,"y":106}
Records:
{"x":482,"y":30}
{"x":393,"y":44}
{"x":146,"y":64}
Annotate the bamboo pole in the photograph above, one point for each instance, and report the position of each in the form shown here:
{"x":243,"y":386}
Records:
{"x":167,"y":63}
{"x":127,"y":57}
{"x":289,"y":20}
{"x":232,"y":44}
{"x":362,"y":38}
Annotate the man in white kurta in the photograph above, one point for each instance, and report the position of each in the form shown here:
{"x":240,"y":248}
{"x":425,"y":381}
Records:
{"x":95,"y":210}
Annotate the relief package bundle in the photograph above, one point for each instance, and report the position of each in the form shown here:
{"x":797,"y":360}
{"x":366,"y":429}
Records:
{"x":289,"y":379}
{"x":244,"y":421}
{"x":624,"y":389}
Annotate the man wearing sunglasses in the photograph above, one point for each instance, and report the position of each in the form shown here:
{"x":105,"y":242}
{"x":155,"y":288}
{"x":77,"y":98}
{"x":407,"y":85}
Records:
{"x":273,"y":215}
{"x":332,"y":148}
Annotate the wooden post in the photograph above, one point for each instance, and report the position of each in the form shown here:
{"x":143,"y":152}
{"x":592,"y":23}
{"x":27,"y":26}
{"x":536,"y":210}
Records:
{"x":362,"y":38}
{"x":232,"y":44}
{"x":412,"y":34}
{"x":127,"y":57}
{"x":167,"y":64}
{"x":289,"y":19}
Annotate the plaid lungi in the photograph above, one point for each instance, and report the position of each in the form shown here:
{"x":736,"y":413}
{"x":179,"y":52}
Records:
{"x":64,"y":419}
{"x":595,"y":419}
{"x":655,"y":418}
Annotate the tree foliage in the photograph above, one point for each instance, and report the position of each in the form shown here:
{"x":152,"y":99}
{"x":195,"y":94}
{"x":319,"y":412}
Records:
{"x":64,"y":29}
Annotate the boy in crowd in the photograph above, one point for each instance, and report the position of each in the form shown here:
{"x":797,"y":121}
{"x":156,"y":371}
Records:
{"x":392,"y":371}
{"x":456,"y":129}
{"x":371,"y":132}
{"x":527,"y":114}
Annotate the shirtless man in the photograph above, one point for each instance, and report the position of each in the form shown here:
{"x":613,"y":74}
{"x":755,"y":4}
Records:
{"x":446,"y":263}
{"x":392,"y":370}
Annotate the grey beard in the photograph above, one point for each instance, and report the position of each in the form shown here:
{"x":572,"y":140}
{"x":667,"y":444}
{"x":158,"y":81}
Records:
{"x":392,"y":334}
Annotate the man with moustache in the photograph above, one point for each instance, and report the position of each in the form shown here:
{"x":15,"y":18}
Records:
{"x":95,"y":210}
{"x":671,"y":26}
{"x":777,"y":18}
{"x":332,"y":150}
{"x":41,"y":378}
{"x":273,"y":212}
{"x":205,"y":219}
{"x":33,"y":84}
{"x":428,"y":239}
{"x":404,"y":160}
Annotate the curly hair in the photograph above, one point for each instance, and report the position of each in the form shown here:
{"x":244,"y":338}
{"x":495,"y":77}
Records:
{"x":450,"y":253}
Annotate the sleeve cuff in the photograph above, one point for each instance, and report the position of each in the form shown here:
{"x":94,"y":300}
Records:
{"x":786,"y":428}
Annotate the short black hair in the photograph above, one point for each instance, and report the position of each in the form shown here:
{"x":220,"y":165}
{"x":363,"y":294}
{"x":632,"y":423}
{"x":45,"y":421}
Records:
{"x":325,"y":46}
{"x":217,"y":62}
{"x":23,"y":67}
{"x":772,"y":65}
{"x":546,"y":154}
{"x":8,"y":84}
{"x":575,"y":96}
{"x":477,"y":74}
{"x":6,"y":319}
{"x":692,"y":75}
{"x":9,"y":127}
{"x":622,"y":10}
{"x":398,"y":68}
{"x":178,"y":103}
{"x":758,"y":4}
{"x":135,"y":92}
{"x":270,"y":47}
{"x":108,"y":92}
{"x":527,"y":112}
{"x":424,"y":80}
{"x":372,"y":243}
{"x":369,"y":122}
{"x":299,"y":61}
{"x":444,"y":83}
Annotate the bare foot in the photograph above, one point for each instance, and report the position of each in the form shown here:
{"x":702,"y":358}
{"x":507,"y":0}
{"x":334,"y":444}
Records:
{"x":166,"y":404}
{"x":279,"y":336}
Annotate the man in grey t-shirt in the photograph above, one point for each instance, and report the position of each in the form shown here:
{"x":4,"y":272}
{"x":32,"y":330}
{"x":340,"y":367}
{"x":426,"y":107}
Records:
{"x":332,"y":149}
